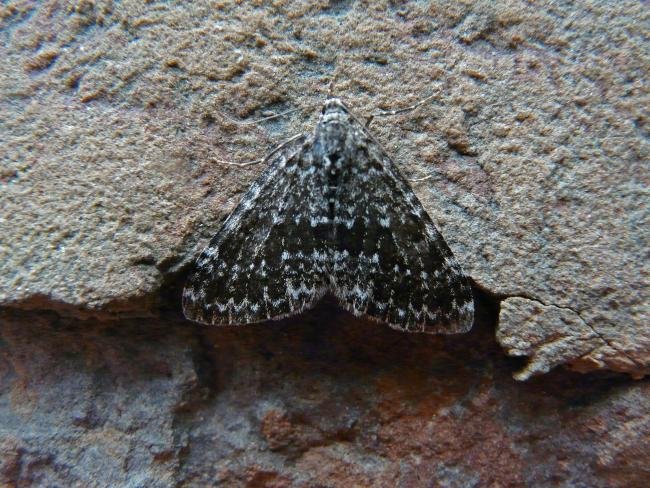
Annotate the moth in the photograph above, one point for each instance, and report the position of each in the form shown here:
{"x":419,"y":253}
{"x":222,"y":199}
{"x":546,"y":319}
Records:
{"x":330,"y":214}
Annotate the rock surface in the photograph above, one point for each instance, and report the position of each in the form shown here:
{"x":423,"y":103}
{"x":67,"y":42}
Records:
{"x":321,"y":400}
{"x":535,"y":148}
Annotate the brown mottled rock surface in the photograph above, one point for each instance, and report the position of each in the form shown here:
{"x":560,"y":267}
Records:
{"x":535,"y":144}
{"x":321,"y":400}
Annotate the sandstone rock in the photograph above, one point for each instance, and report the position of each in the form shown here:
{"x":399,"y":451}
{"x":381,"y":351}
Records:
{"x":532,"y":158}
{"x":553,"y":335}
{"x":113,"y":121}
{"x":320,"y":400}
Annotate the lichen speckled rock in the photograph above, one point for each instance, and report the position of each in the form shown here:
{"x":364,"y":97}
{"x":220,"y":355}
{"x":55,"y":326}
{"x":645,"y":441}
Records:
{"x":531,"y":157}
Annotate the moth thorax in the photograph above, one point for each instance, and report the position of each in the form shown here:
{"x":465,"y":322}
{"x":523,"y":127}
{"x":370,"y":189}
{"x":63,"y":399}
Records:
{"x":333,"y":142}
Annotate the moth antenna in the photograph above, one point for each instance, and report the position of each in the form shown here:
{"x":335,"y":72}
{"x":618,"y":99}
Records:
{"x":261,"y":160}
{"x":385,"y":113}
{"x":263,"y":119}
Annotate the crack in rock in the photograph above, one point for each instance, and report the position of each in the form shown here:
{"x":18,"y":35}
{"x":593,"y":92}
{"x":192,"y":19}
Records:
{"x":552,"y":335}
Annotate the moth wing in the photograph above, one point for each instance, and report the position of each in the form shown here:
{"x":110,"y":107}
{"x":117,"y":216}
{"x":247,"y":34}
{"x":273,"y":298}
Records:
{"x":268,"y":259}
{"x":390,"y":262}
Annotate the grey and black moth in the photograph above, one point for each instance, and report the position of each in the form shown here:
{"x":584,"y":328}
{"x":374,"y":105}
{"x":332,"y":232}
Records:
{"x":331,"y":214}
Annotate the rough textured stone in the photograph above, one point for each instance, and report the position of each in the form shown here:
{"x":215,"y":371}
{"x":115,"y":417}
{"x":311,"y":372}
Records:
{"x":321,"y":400}
{"x":535,"y":148}
{"x":114,"y":114}
{"x":554,"y":335}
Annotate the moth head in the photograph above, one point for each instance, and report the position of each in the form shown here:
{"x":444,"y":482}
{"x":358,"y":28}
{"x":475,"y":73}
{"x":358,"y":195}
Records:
{"x":334,"y":109}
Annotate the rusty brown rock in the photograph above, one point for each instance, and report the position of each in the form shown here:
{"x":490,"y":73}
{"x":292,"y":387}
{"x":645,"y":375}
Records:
{"x":323,"y":400}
